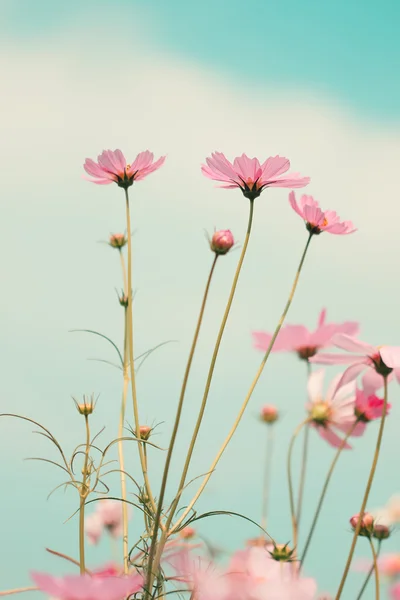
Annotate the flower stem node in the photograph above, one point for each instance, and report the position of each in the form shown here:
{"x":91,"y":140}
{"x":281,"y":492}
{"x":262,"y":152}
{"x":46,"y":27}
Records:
{"x":281,"y":553}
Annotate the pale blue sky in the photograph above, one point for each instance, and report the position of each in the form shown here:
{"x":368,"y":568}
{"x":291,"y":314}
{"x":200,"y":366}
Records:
{"x":344,"y":48}
{"x":80,"y":77}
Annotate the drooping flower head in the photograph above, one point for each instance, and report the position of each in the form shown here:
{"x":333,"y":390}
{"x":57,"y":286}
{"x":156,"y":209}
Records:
{"x":318,"y":220}
{"x":85,"y":587}
{"x":111,"y":167}
{"x":297,"y":338}
{"x":334,"y":411}
{"x":381,"y":359}
{"x":251,"y":176}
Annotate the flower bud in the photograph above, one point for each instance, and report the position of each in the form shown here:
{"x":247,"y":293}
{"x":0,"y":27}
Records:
{"x":145,"y":432}
{"x":281,"y":552}
{"x":269,"y":414}
{"x":381,"y":532}
{"x":86,"y":407}
{"x":367,"y":524}
{"x":222,"y":241}
{"x":117,"y":240}
{"x":187,"y":533}
{"x":123,"y":300}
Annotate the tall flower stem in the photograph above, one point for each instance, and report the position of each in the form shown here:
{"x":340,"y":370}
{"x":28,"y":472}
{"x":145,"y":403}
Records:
{"x":290,"y":483}
{"x":83,"y":494}
{"x":323,"y":493}
{"x":267,"y":474}
{"x":306,"y":438}
{"x":125,"y":368}
{"x":212,"y":366}
{"x":373,"y":569}
{"x":173,"y":439}
{"x":367,"y":491}
{"x":249,"y":393}
{"x":131,"y":359}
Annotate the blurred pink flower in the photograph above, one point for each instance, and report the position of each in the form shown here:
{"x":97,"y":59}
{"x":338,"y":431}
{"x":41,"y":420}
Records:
{"x":85,"y":587}
{"x":251,"y":574}
{"x":395,"y":592}
{"x":367,"y":408}
{"x":297,"y":338}
{"x":334,"y":411}
{"x":251,"y":176}
{"x":108,"y":515}
{"x":318,"y":220}
{"x":111,"y":167}
{"x":390,"y":513}
{"x":388,"y":564}
{"x":93,"y":528}
{"x":382,"y":359}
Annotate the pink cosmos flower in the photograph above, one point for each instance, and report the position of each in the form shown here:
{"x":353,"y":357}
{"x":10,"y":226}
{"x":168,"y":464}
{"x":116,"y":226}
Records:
{"x":251,"y":574}
{"x":334,"y":411}
{"x":388,"y":565}
{"x":381,"y":359}
{"x":318,"y":220}
{"x":395,"y":592}
{"x":251,"y":176}
{"x":108,"y":515}
{"x":297,"y":338}
{"x":111,"y":167}
{"x":93,"y":528}
{"x":85,"y":587}
{"x":368,"y":407}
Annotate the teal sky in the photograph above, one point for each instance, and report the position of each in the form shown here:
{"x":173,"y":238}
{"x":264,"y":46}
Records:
{"x":346,"y":49}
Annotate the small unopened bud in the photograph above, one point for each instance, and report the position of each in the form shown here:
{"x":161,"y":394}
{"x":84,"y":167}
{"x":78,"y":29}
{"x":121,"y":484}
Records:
{"x":269,"y":414}
{"x":86,"y":407}
{"x":123,"y":300}
{"x":117,"y":240}
{"x":187,"y":533}
{"x":381,"y":532}
{"x":367,"y":524}
{"x":222,"y":241}
{"x":281,"y":552}
{"x":145,"y":432}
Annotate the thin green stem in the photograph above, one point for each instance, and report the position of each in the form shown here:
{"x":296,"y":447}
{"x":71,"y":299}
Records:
{"x":324,"y":491}
{"x":131,"y":358}
{"x":367,"y":491}
{"x":267,"y":474}
{"x":212,"y":366}
{"x":151,"y":575}
{"x":304,"y":457}
{"x":370,"y":572}
{"x":290,"y":482}
{"x":125,"y":541}
{"x":249,"y":393}
{"x":83,"y":493}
